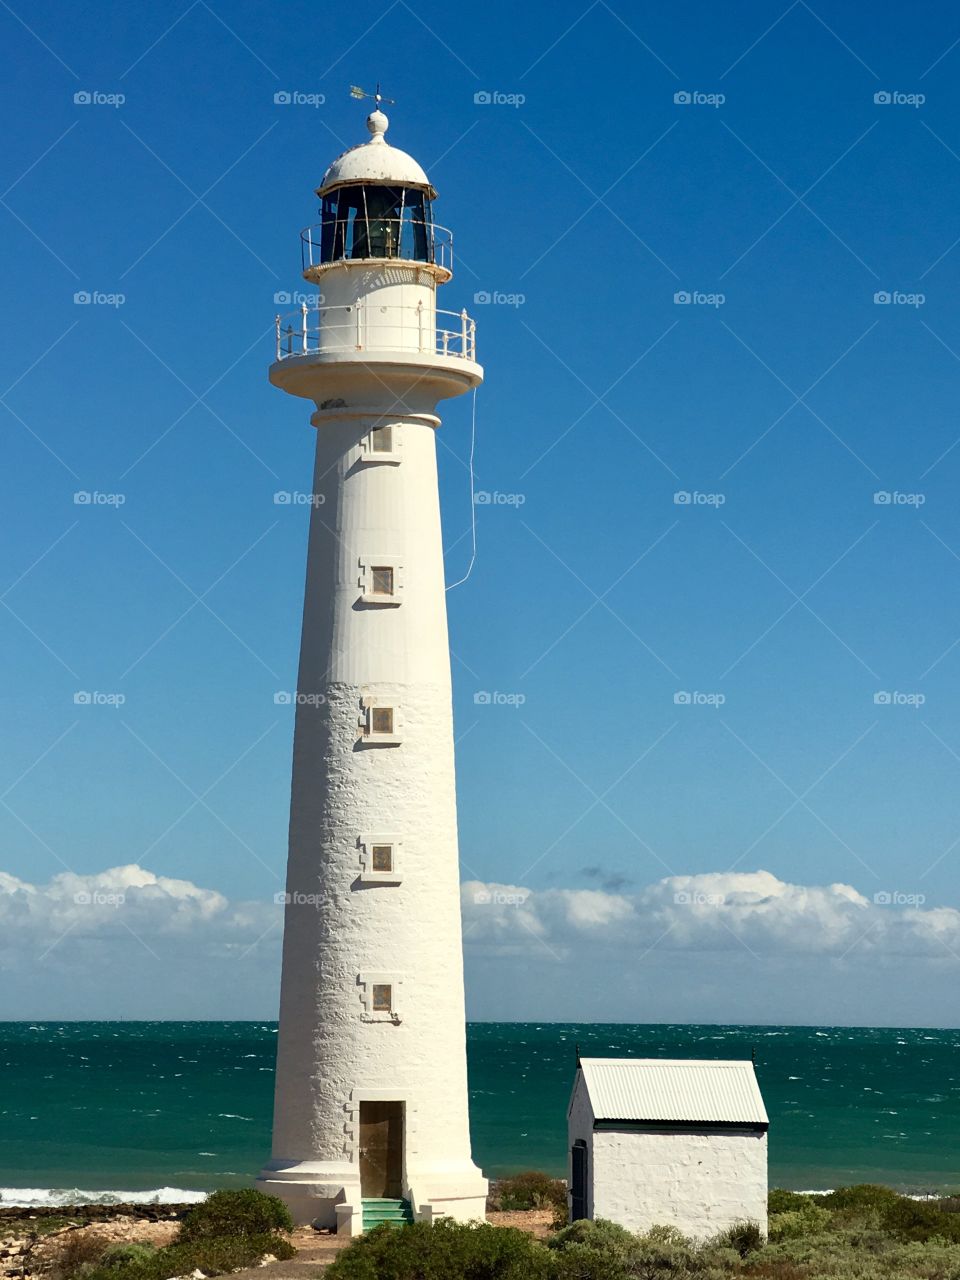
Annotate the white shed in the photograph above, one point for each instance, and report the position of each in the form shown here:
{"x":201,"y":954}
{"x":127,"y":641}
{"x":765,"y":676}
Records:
{"x":681,"y":1143}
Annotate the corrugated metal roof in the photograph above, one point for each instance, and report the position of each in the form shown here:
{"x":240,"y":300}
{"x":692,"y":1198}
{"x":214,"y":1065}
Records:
{"x":665,"y":1090}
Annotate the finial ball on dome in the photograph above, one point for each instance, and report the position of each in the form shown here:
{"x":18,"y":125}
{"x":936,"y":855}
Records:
{"x":377,"y":123}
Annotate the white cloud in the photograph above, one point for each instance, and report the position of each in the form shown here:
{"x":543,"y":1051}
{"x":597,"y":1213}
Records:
{"x":722,"y":911}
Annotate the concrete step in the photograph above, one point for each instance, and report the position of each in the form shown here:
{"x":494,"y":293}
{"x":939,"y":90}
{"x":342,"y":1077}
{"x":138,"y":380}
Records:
{"x":377,"y":1210}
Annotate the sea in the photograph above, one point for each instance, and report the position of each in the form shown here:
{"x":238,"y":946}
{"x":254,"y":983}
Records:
{"x":166,"y":1111}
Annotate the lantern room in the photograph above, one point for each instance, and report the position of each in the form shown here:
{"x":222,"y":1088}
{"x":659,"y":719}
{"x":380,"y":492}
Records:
{"x":376,"y":206}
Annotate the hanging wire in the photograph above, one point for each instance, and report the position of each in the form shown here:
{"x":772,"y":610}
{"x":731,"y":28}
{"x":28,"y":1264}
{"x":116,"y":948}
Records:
{"x":473,"y":498}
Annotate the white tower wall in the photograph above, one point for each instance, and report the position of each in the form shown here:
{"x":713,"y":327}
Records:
{"x":349,"y":927}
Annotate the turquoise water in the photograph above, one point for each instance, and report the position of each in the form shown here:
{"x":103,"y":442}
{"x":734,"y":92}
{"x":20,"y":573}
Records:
{"x":139,"y":1106}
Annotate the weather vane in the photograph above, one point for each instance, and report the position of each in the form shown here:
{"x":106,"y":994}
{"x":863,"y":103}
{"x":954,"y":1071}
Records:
{"x":357,"y":92}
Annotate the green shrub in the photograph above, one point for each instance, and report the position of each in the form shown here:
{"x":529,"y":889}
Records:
{"x":865,"y":1195}
{"x":530,"y":1190}
{"x":214,"y":1256}
{"x":598,"y":1233}
{"x":921,"y":1220}
{"x":119,"y":1256}
{"x":780,"y":1201}
{"x":444,"y":1251}
{"x":78,"y":1252}
{"x":810,"y":1220}
{"x":742,"y":1237}
{"x":236,"y":1213}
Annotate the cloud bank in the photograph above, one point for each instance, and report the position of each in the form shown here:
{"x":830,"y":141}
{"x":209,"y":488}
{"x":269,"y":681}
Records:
{"x":721,"y":947}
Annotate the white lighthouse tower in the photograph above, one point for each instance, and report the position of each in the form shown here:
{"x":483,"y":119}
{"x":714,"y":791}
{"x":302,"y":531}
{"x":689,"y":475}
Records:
{"x":371,"y":1114}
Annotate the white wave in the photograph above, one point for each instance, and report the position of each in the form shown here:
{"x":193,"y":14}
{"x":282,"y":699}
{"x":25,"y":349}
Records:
{"x":40,"y":1197}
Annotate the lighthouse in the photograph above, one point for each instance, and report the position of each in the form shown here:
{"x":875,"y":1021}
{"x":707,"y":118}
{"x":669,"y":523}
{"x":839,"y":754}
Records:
{"x":371,"y":1110}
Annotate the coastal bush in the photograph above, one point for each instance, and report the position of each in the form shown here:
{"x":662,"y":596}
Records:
{"x":921,"y":1220}
{"x":530,"y":1190}
{"x":235,"y":1213}
{"x":419,"y":1251}
{"x":213,"y":1255}
{"x":780,"y":1201}
{"x":119,"y":1256}
{"x":808,"y":1220}
{"x":742,"y":1237}
{"x":856,"y":1199}
{"x":77,"y":1252}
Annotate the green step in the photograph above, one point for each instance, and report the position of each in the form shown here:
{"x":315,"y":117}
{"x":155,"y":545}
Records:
{"x":393,"y":1212}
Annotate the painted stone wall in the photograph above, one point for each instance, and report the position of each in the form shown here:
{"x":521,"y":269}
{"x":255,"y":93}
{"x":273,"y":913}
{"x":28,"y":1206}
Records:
{"x":699,"y":1183}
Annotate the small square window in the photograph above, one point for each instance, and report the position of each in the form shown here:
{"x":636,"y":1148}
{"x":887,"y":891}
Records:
{"x":381,"y":719}
{"x":382,"y":579}
{"x":381,"y":857}
{"x":381,"y":440}
{"x":382,"y":997}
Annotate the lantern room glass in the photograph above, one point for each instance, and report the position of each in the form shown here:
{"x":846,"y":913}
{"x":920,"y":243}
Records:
{"x":368,"y":221}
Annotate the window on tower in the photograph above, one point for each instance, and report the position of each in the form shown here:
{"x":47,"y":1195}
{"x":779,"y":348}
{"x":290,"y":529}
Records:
{"x":381,"y":720}
{"x":381,"y":440}
{"x":382,"y":580}
{"x":381,"y":857}
{"x":382,"y":997}
{"x":371,"y":221}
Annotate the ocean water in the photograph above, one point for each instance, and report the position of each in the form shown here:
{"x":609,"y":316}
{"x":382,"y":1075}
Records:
{"x":156,"y":1108}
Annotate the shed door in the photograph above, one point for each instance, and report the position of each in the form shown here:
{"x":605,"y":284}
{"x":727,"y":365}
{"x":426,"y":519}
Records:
{"x":578,"y":1206}
{"x":381,"y":1150}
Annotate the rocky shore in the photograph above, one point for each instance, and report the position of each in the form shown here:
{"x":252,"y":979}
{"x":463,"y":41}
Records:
{"x":32,"y":1240}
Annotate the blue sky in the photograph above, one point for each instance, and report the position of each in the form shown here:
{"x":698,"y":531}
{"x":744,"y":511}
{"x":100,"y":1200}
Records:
{"x":784,"y":397}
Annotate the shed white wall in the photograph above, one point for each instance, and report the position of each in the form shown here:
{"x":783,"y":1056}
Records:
{"x":699,"y":1183}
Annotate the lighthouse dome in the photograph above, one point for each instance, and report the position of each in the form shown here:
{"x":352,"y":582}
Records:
{"x":375,"y":162}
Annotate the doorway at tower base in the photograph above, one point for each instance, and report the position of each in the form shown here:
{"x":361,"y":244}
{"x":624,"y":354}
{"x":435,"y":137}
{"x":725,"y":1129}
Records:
{"x":317,"y":1194}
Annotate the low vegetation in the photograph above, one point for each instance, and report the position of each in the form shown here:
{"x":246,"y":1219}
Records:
{"x":229,"y":1231}
{"x":855,"y":1233}
{"x":531,"y":1190}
